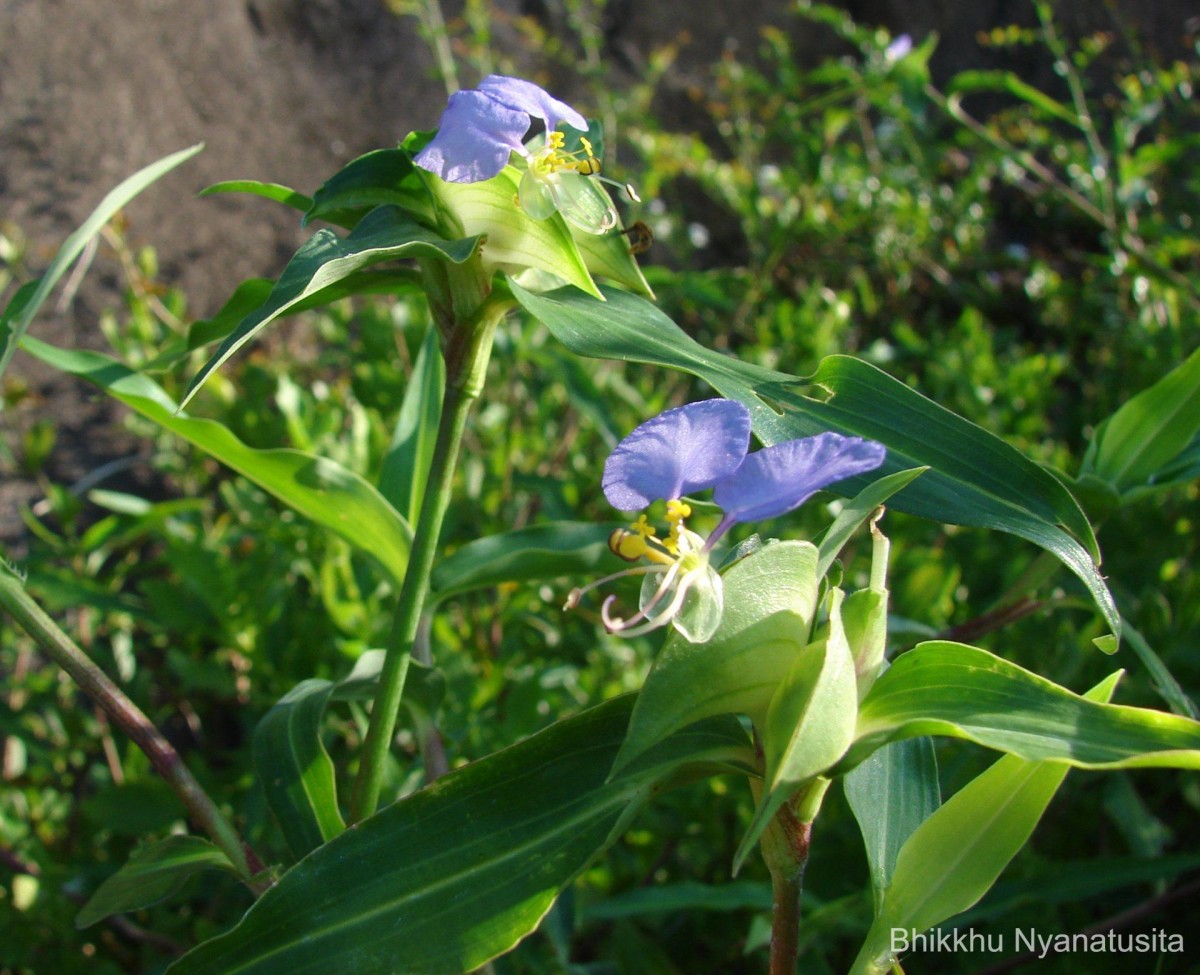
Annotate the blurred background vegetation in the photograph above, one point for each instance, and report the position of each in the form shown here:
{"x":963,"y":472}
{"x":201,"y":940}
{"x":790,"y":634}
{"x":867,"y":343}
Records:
{"x":1022,"y":254}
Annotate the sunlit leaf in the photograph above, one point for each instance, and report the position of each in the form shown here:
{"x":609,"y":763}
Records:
{"x":974,"y":478}
{"x":27,"y":302}
{"x":318,"y":488}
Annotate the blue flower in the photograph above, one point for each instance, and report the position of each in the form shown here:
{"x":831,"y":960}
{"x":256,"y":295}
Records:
{"x":693,"y":448}
{"x":481,"y":129}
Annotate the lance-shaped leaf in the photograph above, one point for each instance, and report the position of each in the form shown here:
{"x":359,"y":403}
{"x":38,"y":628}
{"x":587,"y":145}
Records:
{"x":383,"y":176}
{"x":857,"y":510}
{"x":1133,"y":447}
{"x":318,"y":488}
{"x":810,"y":723}
{"x":576,"y":549}
{"x":250,"y":295}
{"x":385,"y":234}
{"x":974,"y":477}
{"x":296,"y":772}
{"x":445,"y":879}
{"x":770,"y":600}
{"x":942,"y":688}
{"x":152,"y":874}
{"x":276,"y":192}
{"x":891,"y":793}
{"x":27,"y":302}
{"x":953,"y":858}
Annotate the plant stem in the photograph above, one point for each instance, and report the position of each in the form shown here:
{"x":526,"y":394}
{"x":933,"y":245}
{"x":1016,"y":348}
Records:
{"x":785,"y":848}
{"x":129,"y":718}
{"x":466,"y":366}
{"x":785,"y":845}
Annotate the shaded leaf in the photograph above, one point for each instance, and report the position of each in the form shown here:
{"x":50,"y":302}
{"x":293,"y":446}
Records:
{"x":456,"y":874}
{"x":891,"y":793}
{"x":576,"y":549}
{"x":152,"y":874}
{"x":296,"y":772}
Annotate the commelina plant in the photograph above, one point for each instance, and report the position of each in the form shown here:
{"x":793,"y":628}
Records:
{"x":769,"y":668}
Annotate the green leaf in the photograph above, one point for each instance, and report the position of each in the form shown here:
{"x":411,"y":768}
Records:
{"x":270,"y":191}
{"x":385,"y":234}
{"x":810,"y":723}
{"x":374,"y":179}
{"x":549,"y":551}
{"x":680,"y":897}
{"x":295,"y":770}
{"x":444,"y":880}
{"x":406,"y":465}
{"x":942,"y":688}
{"x":1164,"y":682}
{"x":318,"y":488}
{"x":152,"y":874}
{"x":424,"y":687}
{"x":251,"y":294}
{"x":27,"y":302}
{"x":892,"y":793}
{"x":770,"y":601}
{"x":953,"y":858}
{"x":857,"y":510}
{"x":1007,"y":81}
{"x":609,"y":256}
{"x":974,"y":477}
{"x":1132,"y":447}
{"x":514,"y":240}
{"x":1071,"y":882}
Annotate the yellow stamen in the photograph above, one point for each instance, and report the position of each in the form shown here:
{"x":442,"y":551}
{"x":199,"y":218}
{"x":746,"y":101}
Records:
{"x":677,"y":511}
{"x":627,"y":545}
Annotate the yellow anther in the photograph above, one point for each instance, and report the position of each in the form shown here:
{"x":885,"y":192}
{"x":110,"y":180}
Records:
{"x":678,"y":510}
{"x":589,"y":165}
{"x":627,"y":545}
{"x":643,"y":527}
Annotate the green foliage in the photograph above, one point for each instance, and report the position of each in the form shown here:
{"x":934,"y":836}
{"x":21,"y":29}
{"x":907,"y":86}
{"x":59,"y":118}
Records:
{"x":1025,"y":259}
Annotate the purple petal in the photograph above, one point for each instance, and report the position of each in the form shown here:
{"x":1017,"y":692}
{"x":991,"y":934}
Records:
{"x":475,"y":137}
{"x":901,"y":47}
{"x":776,"y":479}
{"x":686,"y":449}
{"x":525,"y":96}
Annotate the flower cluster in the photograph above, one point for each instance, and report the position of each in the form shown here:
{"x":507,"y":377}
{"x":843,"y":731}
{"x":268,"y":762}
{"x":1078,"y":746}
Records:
{"x":693,"y":448}
{"x":482,"y":128}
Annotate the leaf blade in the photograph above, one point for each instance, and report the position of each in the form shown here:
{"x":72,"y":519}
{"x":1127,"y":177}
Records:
{"x":318,"y":488}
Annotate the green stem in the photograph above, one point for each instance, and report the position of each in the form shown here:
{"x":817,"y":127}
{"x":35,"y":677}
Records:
{"x":466,"y":367}
{"x":129,"y":718}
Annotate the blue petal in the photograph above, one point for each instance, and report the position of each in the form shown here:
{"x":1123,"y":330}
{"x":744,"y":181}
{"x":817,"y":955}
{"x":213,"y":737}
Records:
{"x":686,"y":449}
{"x":776,"y":479}
{"x":525,"y":96}
{"x":475,"y":137}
